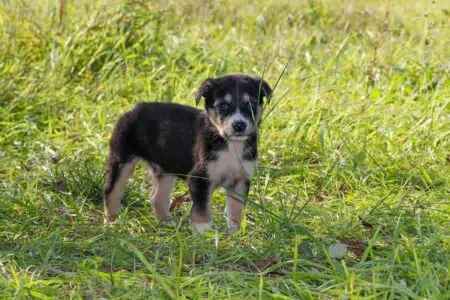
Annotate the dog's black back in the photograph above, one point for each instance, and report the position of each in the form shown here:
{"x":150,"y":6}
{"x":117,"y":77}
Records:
{"x":163,"y":134}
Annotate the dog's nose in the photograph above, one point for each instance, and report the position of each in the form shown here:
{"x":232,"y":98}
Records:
{"x":239,"y":126}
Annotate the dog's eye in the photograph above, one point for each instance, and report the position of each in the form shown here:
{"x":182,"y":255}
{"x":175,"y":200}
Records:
{"x":223,"y":108}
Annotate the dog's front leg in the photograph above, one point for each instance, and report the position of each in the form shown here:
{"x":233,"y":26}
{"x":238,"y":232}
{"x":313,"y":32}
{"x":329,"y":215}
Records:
{"x":201,"y":189}
{"x":236,"y":198}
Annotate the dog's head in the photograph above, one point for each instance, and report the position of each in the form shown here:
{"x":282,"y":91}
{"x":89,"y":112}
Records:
{"x":234,"y":103}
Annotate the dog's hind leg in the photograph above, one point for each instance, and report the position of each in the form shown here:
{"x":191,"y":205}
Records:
{"x":117,"y":175}
{"x":160,"y":196}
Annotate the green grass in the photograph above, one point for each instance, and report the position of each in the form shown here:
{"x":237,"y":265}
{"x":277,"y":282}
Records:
{"x":356,"y":147}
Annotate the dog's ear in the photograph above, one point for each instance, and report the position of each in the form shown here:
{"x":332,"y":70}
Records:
{"x":205,"y":90}
{"x":264,"y":89}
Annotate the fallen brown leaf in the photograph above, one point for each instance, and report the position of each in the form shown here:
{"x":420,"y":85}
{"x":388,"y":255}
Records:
{"x":177,"y":201}
{"x":265,"y":263}
{"x":357,"y":247}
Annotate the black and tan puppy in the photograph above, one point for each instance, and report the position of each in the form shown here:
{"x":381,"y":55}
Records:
{"x":213,"y":147}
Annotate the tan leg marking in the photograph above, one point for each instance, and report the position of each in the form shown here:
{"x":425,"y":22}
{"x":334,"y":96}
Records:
{"x":114,"y":199}
{"x":235,"y":206}
{"x":160,"y":197}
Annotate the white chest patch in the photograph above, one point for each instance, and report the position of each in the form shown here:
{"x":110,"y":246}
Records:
{"x":230,"y":165}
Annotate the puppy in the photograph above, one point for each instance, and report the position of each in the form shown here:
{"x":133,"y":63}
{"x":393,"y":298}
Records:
{"x":213,"y":147}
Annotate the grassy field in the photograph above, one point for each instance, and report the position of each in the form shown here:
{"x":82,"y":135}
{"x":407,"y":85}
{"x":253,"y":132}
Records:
{"x":351,"y":198}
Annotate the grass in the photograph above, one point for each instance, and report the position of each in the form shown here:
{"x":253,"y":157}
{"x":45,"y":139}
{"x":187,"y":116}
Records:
{"x":355,"y":149}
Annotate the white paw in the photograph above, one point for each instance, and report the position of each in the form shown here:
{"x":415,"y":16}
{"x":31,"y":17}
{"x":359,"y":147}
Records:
{"x":168,"y":222}
{"x":108,"y":222}
{"x":233,"y":226}
{"x":233,"y":229}
{"x":202,"y":227}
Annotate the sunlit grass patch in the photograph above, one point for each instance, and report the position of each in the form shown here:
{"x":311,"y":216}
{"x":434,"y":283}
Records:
{"x":351,"y":198}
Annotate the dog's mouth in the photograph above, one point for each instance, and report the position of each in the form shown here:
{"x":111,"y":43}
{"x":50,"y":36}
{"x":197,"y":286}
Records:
{"x":238,"y":137}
